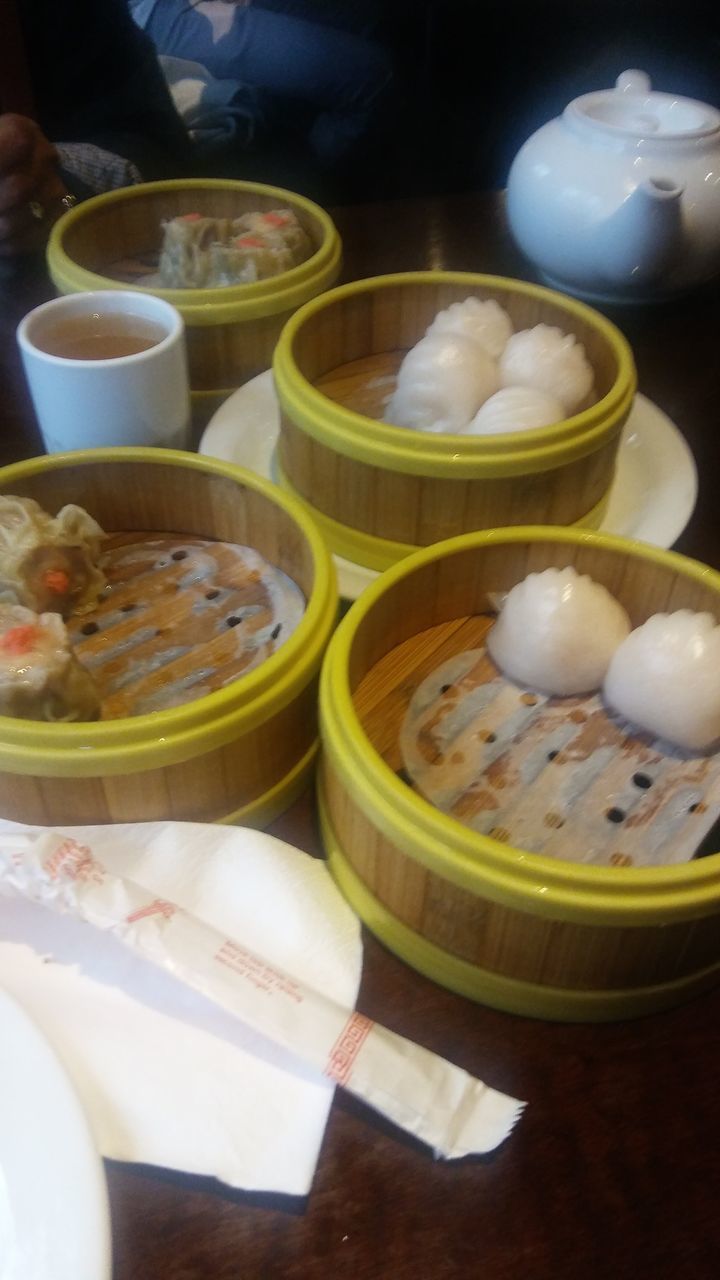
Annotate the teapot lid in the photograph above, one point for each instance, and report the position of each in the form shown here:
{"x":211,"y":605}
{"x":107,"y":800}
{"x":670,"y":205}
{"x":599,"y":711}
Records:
{"x":633,"y":109}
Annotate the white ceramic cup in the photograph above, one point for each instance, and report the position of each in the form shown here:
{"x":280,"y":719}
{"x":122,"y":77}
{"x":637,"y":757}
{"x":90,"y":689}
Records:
{"x":138,"y":399}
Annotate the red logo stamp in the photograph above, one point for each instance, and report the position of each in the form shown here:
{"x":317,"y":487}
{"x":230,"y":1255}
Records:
{"x":347,"y":1047}
{"x":72,"y":860}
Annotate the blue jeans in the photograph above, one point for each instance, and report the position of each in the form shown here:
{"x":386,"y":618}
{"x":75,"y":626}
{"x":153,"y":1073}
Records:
{"x":339,"y":77}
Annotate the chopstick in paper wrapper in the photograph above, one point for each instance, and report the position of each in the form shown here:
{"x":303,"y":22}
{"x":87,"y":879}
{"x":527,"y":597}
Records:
{"x":420,"y":1092}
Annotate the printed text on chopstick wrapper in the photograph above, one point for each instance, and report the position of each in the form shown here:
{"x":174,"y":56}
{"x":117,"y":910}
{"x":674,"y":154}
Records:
{"x":430,"y":1098}
{"x":257,"y":971}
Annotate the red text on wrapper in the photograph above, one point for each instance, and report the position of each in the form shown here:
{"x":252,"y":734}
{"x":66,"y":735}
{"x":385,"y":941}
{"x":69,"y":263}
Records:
{"x":159,"y":907}
{"x":258,"y":972}
{"x":347,"y":1047}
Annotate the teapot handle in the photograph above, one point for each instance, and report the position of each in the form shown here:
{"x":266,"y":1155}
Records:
{"x":633,"y":82}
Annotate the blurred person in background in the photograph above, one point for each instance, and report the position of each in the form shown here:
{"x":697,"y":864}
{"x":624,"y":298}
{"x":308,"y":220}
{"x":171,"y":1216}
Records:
{"x":85,"y":108}
{"x":322,"y":74}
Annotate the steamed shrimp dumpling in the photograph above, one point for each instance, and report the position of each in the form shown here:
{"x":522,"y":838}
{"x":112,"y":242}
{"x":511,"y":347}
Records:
{"x":516,"y":409}
{"x":557,"y":632}
{"x":549,"y":360}
{"x":441,"y":383}
{"x":485,"y":321}
{"x":665,"y":678}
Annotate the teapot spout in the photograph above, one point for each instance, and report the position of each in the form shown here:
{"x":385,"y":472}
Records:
{"x":641,"y":241}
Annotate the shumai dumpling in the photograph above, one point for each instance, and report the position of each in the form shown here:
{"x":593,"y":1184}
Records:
{"x":49,"y":563}
{"x":207,"y":252}
{"x":40,"y":677}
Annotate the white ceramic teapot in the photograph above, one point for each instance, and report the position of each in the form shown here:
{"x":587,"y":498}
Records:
{"x":619,"y":198}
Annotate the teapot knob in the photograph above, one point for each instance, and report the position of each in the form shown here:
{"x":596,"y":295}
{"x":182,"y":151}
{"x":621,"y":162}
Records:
{"x":633,"y":82}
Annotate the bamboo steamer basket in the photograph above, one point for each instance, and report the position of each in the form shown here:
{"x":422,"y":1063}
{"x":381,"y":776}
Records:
{"x":231,"y":332}
{"x":530,"y":934}
{"x":378,"y":492}
{"x":239,"y":754}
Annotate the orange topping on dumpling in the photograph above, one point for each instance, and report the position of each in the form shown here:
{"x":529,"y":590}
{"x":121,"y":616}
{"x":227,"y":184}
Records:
{"x":57,"y":580}
{"x":19,"y":639}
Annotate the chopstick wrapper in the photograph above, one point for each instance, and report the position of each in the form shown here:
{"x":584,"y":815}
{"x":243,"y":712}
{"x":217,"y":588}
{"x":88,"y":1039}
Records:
{"x":420,"y":1092}
{"x":166,"y":1077}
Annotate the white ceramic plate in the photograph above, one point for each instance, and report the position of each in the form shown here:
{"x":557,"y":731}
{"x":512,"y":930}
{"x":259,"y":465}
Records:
{"x":54,"y":1220}
{"x":652,"y":498}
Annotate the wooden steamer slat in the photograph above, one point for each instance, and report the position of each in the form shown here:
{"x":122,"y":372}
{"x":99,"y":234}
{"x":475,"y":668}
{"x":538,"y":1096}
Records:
{"x":507,"y":941}
{"x":206,"y":788}
{"x":421,"y":510}
{"x":161,"y":623}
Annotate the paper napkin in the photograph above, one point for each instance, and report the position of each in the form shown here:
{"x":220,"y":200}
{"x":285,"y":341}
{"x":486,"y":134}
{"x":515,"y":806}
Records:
{"x":167,"y":1077}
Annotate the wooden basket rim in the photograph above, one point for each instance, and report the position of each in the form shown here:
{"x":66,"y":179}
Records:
{"x":167,"y":736}
{"x":460,"y":456}
{"x":219,"y":305}
{"x":479,"y":863}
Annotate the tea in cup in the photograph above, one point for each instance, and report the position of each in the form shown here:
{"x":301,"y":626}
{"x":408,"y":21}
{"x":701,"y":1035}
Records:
{"x":107,"y":368}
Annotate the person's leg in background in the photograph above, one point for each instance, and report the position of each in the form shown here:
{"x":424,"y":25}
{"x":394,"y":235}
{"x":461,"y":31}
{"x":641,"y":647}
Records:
{"x":336,"y":80}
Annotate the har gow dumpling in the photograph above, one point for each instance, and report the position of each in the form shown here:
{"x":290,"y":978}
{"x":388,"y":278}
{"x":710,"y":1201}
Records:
{"x":441,"y":384}
{"x":557,"y":632}
{"x":549,"y":360}
{"x":516,"y":409}
{"x":485,"y":321}
{"x":665,"y":678}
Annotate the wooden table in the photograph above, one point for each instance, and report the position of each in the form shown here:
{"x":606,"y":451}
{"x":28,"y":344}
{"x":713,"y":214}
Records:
{"x":609,"y":1173}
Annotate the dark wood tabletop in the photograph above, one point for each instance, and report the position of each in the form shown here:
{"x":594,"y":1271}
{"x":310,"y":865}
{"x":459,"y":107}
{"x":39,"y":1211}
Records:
{"x":609,"y":1173}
